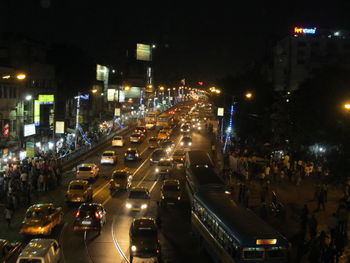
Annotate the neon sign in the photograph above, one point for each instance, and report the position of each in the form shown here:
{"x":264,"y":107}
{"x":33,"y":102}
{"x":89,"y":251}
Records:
{"x":301,"y":30}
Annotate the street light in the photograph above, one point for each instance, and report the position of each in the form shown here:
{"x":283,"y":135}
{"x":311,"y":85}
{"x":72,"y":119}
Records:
{"x":28,"y":97}
{"x":21,"y":76}
{"x":249,"y":95}
{"x":347,"y":106}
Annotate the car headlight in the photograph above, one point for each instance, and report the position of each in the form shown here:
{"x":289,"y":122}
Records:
{"x":190,"y":143}
{"x":133,"y":248}
{"x":178,"y":198}
{"x":182,"y":130}
{"x":128,"y":205}
{"x":163,"y":197}
{"x":157,"y":170}
{"x":144,"y":206}
{"x":181,"y":143}
{"x":151,"y":160}
{"x":199,"y":128}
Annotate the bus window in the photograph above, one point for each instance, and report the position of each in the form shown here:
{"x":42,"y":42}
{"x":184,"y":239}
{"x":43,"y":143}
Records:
{"x":276,"y":252}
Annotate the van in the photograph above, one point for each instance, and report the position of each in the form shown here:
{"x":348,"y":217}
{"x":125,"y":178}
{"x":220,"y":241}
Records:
{"x":40,"y":250}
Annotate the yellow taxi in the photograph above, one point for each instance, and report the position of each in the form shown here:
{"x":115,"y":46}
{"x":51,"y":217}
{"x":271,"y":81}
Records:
{"x":163,"y":135}
{"x":9,"y":251}
{"x":179,"y":157}
{"x":168,"y":130}
{"x":121,"y":179}
{"x":79,"y":191}
{"x":41,"y":219}
{"x":153,"y":143}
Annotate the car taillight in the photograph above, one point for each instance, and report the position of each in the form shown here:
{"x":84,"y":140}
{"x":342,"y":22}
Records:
{"x":77,"y":214}
{"x":91,"y":172}
{"x":125,"y":154}
{"x":97,"y":215}
{"x":78,"y":172}
{"x":139,"y":137}
{"x":157,"y":251}
{"x":137,"y":155}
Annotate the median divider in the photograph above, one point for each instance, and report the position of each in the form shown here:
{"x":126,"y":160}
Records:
{"x":71,"y":162}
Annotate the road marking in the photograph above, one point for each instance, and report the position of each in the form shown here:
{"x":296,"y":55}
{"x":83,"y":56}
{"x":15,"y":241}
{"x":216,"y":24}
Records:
{"x":116,"y":244}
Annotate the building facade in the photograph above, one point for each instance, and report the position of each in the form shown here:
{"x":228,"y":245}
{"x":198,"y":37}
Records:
{"x":306,"y":49}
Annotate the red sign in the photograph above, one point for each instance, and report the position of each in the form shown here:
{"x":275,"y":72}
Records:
{"x":6,"y":131}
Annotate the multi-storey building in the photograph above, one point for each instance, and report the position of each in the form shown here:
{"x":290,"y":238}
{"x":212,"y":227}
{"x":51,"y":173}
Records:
{"x":306,"y":49}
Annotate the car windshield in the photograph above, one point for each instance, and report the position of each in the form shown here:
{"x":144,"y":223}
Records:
{"x":76,"y":187}
{"x":162,"y":132}
{"x":84,"y":168}
{"x":159,"y":154}
{"x":138,"y":195}
{"x":131,"y":152}
{"x":186,"y":139}
{"x":145,"y":232}
{"x":107,"y":154}
{"x":178,"y":154}
{"x":135,"y":135}
{"x":119,"y":175}
{"x":36,"y":214}
{"x":86,"y":210}
{"x":185,"y":127}
{"x":171,"y":188}
{"x":117,"y":138}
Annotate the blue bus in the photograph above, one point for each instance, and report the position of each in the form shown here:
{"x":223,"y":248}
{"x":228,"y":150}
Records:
{"x":232,"y":233}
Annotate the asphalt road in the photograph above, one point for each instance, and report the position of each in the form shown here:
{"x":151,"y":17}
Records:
{"x":112,"y":245}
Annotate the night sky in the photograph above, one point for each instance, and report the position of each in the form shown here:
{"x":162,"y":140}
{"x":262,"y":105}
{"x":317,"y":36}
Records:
{"x":197,"y":39}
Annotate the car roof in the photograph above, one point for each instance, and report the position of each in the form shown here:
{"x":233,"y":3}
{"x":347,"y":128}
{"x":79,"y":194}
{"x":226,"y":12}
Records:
{"x":122,"y":170}
{"x":41,"y":206}
{"x":78,"y":182}
{"x":87,"y":165}
{"x":139,"y":189}
{"x":37,"y":247}
{"x":131,"y":149}
{"x":90,"y":204}
{"x":144,"y":222}
{"x":109,"y":152}
{"x":171,"y":182}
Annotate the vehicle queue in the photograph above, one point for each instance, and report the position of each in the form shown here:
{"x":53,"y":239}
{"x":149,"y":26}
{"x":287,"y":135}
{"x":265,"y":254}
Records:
{"x":165,"y":156}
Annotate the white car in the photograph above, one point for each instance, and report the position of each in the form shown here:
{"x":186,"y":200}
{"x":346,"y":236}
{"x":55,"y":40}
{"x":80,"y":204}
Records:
{"x":109,"y":157}
{"x":118,"y":141}
{"x":87,"y":171}
{"x":136,"y":137}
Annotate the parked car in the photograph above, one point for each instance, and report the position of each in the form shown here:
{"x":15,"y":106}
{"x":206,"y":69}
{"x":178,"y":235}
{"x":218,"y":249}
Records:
{"x":138,"y":199}
{"x":136,"y":137}
{"x":144,"y":242}
{"x":90,"y":216}
{"x":79,"y":191}
{"x":41,"y":219}
{"x":87,"y":171}
{"x":41,"y":250}
{"x":118,"y":141}
{"x":131,"y":154}
{"x":9,"y":251}
{"x":109,"y":157}
{"x":170,"y":192}
{"x":121,"y":180}
{"x":157,"y":155}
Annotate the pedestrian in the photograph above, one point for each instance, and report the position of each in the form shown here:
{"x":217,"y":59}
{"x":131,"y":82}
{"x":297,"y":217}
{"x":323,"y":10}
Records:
{"x":313,"y":226}
{"x":343,"y":219}
{"x":8,"y":215}
{"x":333,"y":225}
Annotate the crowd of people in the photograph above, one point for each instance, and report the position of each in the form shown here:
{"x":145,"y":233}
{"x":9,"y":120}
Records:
{"x":20,"y":180}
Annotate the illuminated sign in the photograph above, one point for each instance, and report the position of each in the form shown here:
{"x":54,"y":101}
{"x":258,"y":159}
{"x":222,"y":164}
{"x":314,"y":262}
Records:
{"x":29,"y":129}
{"x":266,"y":241}
{"x":117,"y":112}
{"x":36,"y":112}
{"x":143,"y":52}
{"x":302,"y":30}
{"x":46,"y":99}
{"x":111,"y":94}
{"x":59,"y":127}
{"x":220,"y":112}
{"x":102,"y":73}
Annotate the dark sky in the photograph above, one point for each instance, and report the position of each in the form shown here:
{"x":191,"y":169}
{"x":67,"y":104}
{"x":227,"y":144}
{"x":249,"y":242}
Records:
{"x":205,"y":40}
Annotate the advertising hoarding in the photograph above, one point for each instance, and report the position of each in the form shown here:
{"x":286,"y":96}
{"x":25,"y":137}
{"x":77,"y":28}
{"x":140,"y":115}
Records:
{"x":102,"y":73}
{"x":110,"y":94}
{"x":59,"y":127}
{"x":29,"y":129}
{"x":220,"y":112}
{"x":143,"y":52}
{"x":46,"y":99}
{"x":133,"y":92}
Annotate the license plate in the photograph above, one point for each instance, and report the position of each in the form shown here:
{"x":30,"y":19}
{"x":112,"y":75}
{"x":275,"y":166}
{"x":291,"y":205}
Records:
{"x":136,"y":208}
{"x":86,"y":222}
{"x":117,"y":185}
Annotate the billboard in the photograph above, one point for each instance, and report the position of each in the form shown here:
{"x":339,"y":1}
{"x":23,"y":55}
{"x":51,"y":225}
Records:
{"x":36,"y":112}
{"x":122,"y":96}
{"x":110,"y":94}
{"x":133,"y":92}
{"x":102,"y":73}
{"x":46,"y":99}
{"x":59,"y":128}
{"x":143,"y":52}
{"x":29,"y":129}
{"x":220,"y":112}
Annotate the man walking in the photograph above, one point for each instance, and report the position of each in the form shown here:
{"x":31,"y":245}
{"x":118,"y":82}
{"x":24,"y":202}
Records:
{"x":8,"y":216}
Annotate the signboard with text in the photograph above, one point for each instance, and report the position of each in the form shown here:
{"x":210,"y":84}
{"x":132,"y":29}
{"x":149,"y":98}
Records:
{"x":220,"y":112}
{"x":29,"y":129}
{"x":59,"y":127}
